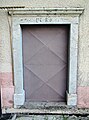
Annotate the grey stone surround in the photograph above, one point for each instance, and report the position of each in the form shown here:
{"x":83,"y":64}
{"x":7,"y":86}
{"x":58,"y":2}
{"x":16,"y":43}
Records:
{"x":44,"y":16}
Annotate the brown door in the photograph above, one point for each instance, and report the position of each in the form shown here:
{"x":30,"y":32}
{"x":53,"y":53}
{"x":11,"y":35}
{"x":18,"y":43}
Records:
{"x":45,"y":62}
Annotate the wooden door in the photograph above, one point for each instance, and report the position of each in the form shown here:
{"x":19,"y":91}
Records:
{"x":45,"y":62}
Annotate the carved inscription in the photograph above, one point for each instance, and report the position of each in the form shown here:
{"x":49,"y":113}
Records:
{"x":43,"y":19}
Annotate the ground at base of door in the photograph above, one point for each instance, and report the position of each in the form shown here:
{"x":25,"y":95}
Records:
{"x":48,"y":117}
{"x":53,"y":117}
{"x":44,"y":117}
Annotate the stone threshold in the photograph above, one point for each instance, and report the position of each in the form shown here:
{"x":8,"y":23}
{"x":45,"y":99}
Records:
{"x":67,"y":111}
{"x":52,"y":108}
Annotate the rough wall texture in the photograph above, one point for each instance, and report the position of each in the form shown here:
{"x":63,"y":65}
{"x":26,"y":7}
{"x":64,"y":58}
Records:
{"x":83,"y":55}
{"x":7,"y":88}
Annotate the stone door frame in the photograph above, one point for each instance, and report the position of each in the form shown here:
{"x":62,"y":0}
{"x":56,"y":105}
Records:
{"x":27,"y":16}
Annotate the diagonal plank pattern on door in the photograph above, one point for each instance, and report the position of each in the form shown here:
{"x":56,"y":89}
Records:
{"x":45,"y":62}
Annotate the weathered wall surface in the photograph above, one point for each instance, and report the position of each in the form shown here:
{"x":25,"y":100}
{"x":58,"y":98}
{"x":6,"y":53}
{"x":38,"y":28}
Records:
{"x":5,"y":47}
{"x":5,"y":61}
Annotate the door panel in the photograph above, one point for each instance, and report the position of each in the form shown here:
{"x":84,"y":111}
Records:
{"x":45,"y":62}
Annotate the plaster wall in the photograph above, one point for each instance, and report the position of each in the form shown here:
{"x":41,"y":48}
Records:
{"x":6,"y":77}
